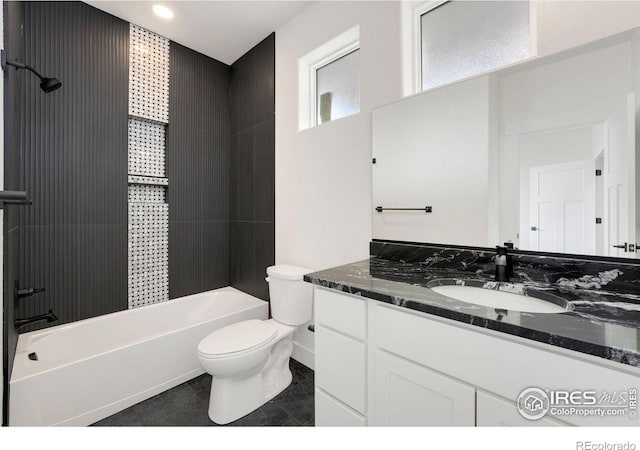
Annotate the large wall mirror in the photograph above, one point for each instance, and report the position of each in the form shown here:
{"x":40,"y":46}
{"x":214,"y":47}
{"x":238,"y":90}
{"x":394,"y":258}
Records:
{"x":541,"y":154}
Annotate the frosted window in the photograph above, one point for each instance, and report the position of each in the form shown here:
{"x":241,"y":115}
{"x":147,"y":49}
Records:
{"x":338,"y":88}
{"x":463,"y":38}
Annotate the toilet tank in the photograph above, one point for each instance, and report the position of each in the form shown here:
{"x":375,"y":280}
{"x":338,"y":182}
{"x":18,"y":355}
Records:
{"x":291,"y":297}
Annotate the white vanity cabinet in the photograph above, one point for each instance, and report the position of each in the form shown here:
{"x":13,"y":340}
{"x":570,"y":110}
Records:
{"x":340,"y":359}
{"x":382,"y":365}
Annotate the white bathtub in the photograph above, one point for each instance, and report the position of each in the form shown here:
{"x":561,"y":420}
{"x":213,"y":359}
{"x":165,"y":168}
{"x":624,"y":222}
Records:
{"x":91,"y":369}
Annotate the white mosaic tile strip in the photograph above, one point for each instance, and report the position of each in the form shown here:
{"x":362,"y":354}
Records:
{"x":148,"y":215}
{"x":148,"y":251}
{"x":148,"y":210}
{"x":148,"y":288}
{"x":146,"y":148}
{"x":148,"y":75}
{"x":139,"y":193}
{"x":148,"y":267}
{"x":138,"y":179}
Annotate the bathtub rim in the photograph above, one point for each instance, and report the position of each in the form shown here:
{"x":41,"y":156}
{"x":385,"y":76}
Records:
{"x":21,"y":351}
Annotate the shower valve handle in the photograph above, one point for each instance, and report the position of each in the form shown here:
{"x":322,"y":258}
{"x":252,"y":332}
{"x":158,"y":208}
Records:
{"x":28,"y":292}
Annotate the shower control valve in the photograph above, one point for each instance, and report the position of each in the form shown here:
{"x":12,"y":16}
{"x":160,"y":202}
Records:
{"x":28,"y":292}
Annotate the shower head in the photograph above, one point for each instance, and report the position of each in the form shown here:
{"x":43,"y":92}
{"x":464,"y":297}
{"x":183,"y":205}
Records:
{"x":50,"y":84}
{"x":46,"y":84}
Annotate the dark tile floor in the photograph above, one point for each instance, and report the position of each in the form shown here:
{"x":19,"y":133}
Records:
{"x":187,"y":405}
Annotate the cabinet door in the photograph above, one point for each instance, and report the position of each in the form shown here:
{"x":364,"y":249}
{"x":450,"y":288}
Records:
{"x":494,"y":411}
{"x":341,"y":367}
{"x":408,"y":394}
{"x":332,"y":413}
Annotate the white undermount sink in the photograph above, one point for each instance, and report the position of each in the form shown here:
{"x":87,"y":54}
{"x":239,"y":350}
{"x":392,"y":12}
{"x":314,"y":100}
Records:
{"x":499,"y":299}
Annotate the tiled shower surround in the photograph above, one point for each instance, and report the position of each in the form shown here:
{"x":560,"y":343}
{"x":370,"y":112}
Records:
{"x":105,"y":231}
{"x":107,"y":158}
{"x":148,"y":210}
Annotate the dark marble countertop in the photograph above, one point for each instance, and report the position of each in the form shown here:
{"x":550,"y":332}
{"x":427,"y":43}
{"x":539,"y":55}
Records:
{"x":603,"y":322}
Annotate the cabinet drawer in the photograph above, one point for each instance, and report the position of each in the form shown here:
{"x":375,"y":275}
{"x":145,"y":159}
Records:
{"x":332,"y":413}
{"x":341,"y":367}
{"x":494,"y":411}
{"x":340,"y":312}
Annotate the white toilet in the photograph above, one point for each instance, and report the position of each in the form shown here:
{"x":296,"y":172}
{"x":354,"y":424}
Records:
{"x":249,"y":361}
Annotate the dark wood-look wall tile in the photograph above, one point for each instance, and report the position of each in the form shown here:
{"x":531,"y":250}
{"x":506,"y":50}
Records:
{"x":185,"y":149}
{"x":263,"y":84}
{"x":73,"y":240}
{"x":264,"y":170}
{"x":233,"y":179}
{"x":98,"y":247}
{"x":215,"y":250}
{"x":233,"y":99}
{"x":252,"y":208}
{"x":185,"y":258}
{"x":234,"y":271}
{"x":246,"y":257}
{"x":75,"y":138}
{"x":245,"y":70}
{"x":198,"y":166}
{"x":265,"y":251}
{"x":246,"y":182}
{"x":216,"y":177}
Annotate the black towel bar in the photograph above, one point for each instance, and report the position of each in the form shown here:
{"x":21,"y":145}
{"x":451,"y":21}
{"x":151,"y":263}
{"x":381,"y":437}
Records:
{"x":426,"y":209}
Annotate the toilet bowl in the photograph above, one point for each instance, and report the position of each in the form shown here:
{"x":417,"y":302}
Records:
{"x":249,"y":361}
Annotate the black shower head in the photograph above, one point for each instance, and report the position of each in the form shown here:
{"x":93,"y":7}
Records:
{"x":50,"y":84}
{"x":46,"y":84}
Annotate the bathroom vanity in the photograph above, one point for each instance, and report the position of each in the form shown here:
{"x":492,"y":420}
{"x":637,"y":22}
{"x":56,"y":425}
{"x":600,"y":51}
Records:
{"x":391,"y":351}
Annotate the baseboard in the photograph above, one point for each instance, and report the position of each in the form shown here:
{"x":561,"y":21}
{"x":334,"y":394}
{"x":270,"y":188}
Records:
{"x":303,"y":355}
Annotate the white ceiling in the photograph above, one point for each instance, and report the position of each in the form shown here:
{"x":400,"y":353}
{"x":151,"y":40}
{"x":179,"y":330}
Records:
{"x":223,"y":30}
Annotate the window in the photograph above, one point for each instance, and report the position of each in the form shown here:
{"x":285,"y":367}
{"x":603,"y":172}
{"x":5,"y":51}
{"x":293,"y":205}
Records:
{"x":338,"y":88}
{"x":460,"y":39}
{"x":329,"y":80}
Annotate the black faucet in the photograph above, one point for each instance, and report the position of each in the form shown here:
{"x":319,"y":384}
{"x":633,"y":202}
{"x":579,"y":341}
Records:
{"x":504,"y":266}
{"x":49,"y":317}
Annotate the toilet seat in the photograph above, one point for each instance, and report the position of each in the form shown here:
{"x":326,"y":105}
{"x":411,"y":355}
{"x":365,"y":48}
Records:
{"x":236,"y":339}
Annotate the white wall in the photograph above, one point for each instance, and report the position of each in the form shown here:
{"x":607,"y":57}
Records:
{"x":565,"y":24}
{"x":323,"y":174}
{"x":576,"y":90}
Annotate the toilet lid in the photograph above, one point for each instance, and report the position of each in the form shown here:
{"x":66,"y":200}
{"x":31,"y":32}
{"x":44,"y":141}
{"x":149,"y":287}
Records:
{"x":237,"y":337}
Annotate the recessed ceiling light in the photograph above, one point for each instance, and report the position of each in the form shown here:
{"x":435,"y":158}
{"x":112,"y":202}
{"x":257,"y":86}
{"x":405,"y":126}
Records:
{"x":163,"y":11}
